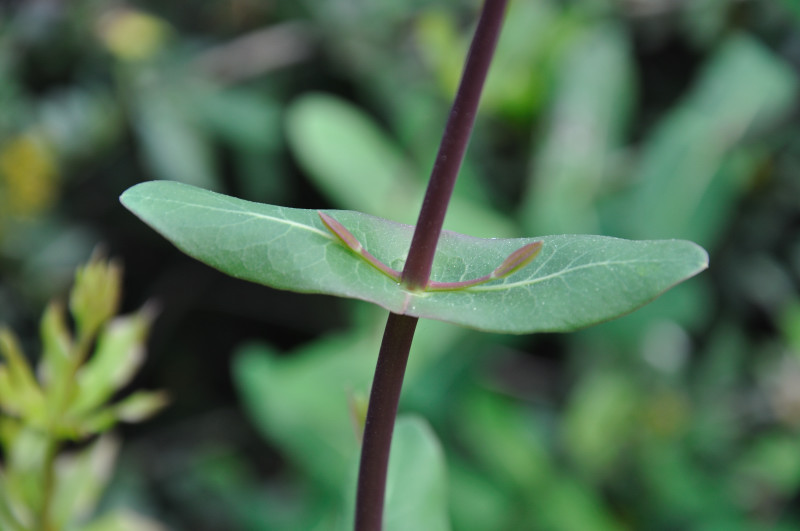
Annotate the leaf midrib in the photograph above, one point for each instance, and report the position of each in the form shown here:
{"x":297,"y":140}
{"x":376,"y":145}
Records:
{"x":184,"y":204}
{"x":473,"y":289}
{"x":562,"y":272}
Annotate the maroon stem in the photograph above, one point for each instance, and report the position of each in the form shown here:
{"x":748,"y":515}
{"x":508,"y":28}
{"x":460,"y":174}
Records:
{"x":379,"y":424}
{"x":399,"y":332}
{"x":454,"y":143}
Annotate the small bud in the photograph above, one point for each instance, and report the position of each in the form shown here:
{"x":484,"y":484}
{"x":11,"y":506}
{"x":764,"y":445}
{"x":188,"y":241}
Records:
{"x":517,"y":260}
{"x":347,"y":238}
{"x":95,"y":296}
{"x":338,"y":230}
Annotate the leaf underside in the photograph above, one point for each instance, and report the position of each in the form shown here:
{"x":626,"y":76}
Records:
{"x":575,"y":281}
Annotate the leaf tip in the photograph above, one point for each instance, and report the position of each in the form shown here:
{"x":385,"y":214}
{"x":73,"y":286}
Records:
{"x":130,"y":198}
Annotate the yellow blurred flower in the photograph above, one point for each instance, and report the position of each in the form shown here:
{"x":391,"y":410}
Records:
{"x":28,"y":175}
{"x":132,"y":35}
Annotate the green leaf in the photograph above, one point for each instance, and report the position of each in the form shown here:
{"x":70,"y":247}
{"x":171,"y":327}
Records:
{"x":8,"y":518}
{"x":415,"y":489}
{"x":361,"y":168}
{"x":123,"y":520}
{"x":520,"y":68}
{"x":119,"y":353}
{"x":416,"y":482}
{"x":575,"y":154}
{"x":686,"y":183}
{"x":80,"y":480}
{"x":135,"y":408}
{"x":56,"y":345}
{"x":575,"y":281}
{"x":342,"y":149}
{"x":598,"y":422}
{"x":23,"y":463}
{"x":172,"y":146}
{"x":301,"y":401}
{"x":20,"y":393}
{"x":140,"y":406}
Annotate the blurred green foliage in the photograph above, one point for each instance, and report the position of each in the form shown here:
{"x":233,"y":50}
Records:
{"x":66,"y":401}
{"x":632,"y":119}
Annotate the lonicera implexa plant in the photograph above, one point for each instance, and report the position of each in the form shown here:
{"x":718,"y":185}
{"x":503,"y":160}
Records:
{"x":518,"y":286}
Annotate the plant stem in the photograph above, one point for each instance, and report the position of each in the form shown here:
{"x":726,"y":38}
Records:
{"x":399,"y":332}
{"x":80,"y":351}
{"x":379,"y":423}
{"x":454,"y":144}
{"x":48,"y":484}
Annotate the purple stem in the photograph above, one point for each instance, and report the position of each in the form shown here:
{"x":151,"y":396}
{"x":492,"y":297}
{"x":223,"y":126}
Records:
{"x":399,"y":333}
{"x":417,"y":270}
{"x":379,"y":424}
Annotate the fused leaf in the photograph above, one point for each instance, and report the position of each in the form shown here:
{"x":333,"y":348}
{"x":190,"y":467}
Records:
{"x":576,"y":280}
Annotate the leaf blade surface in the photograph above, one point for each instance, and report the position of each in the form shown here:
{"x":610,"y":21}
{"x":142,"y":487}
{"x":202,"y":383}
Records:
{"x":575,"y":281}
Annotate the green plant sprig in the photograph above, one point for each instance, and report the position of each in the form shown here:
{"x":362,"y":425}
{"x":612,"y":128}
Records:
{"x":66,"y":400}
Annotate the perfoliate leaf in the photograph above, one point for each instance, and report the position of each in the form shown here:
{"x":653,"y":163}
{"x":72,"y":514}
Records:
{"x":575,"y":281}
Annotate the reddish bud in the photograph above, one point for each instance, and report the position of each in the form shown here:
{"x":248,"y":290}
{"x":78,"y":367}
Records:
{"x":517,"y":260}
{"x":338,"y":230}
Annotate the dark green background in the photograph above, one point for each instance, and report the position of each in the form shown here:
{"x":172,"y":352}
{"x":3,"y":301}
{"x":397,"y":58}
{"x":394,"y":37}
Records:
{"x":635,"y":119}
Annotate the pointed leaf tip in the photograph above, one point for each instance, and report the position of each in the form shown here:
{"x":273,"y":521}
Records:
{"x":518,"y":259}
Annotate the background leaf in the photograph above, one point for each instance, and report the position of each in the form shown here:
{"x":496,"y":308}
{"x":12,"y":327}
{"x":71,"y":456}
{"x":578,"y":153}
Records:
{"x":416,"y":495}
{"x":687,"y":181}
{"x":575,"y":153}
{"x":361,"y":168}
